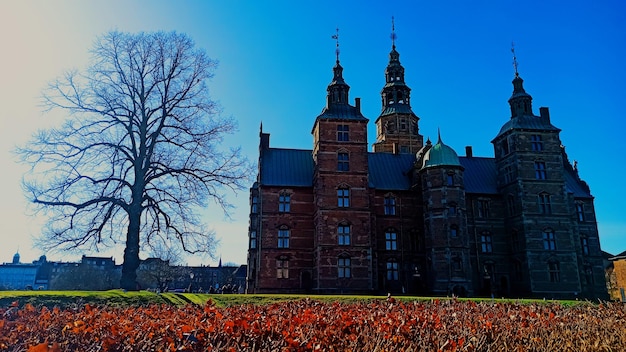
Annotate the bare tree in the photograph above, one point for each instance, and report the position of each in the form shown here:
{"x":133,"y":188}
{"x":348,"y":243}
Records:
{"x":141,"y":152}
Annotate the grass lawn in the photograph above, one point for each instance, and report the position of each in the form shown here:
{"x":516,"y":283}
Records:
{"x":141,"y":298}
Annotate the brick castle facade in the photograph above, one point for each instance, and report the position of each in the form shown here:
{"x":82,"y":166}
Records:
{"x":414,"y":217}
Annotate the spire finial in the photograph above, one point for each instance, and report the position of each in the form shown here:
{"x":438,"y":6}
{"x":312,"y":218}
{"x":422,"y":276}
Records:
{"x":393,"y":33}
{"x":336,"y":38}
{"x":438,"y":135}
{"x":514,"y":59}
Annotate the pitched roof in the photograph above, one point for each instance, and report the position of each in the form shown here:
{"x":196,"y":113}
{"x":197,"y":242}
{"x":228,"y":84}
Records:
{"x":480,"y":175}
{"x":575,"y":186}
{"x":527,"y":122}
{"x":287,"y":167}
{"x":390,"y":171}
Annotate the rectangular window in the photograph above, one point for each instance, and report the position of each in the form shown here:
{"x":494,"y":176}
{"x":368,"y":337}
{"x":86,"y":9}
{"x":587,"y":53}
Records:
{"x":483,"y":208}
{"x":549,"y":240}
{"x":457,"y":265}
{"x":343,"y":197}
{"x":545,"y":204}
{"x":283,"y":238}
{"x":486,"y":243}
{"x":554,"y":271}
{"x":284,"y":203}
{"x":343,"y":133}
{"x":282,"y":269}
{"x":454,"y":231}
{"x":343,"y":163}
{"x":536,"y":143}
{"x":580,"y":212}
{"x":392,"y":271}
{"x":255,"y":205}
{"x":584,"y":243}
{"x":343,"y":267}
{"x":390,"y":205}
{"x":252,"y":239}
{"x":540,"y":170}
{"x":450,"y":179}
{"x":452,"y":210}
{"x":508,"y":174}
{"x":391,"y":241}
{"x":343,"y":235}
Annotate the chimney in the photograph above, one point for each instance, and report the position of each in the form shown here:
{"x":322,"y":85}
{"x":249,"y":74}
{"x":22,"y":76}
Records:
{"x":357,"y":104}
{"x":544,"y":112}
{"x":468,"y":151}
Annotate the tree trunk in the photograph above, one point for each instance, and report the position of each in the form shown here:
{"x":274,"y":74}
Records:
{"x":131,"y":252}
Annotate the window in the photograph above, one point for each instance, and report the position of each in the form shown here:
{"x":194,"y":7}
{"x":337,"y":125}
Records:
{"x":508,"y":174}
{"x":486,"y":242}
{"x":343,"y":267}
{"x":454,"y":231}
{"x":343,"y":235}
{"x":580,"y":212}
{"x":540,"y":170}
{"x":450,"y":179}
{"x":549,"y":240}
{"x":343,"y":197}
{"x":390,"y":205}
{"x":343,"y":133}
{"x":283,"y":237}
{"x":284,"y":203}
{"x":252,"y":239}
{"x":392,"y":270}
{"x":282,"y":269}
{"x":483,"y":208}
{"x":391,"y":240}
{"x":457,"y":264}
{"x":584,"y":244}
{"x":255,"y":205}
{"x":511,"y":204}
{"x":343,"y":162}
{"x":554,"y":272}
{"x":452,"y":209}
{"x":545,"y":206}
{"x":536,"y":143}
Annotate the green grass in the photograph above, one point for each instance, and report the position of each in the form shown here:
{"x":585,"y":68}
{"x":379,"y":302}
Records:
{"x":120,"y":298}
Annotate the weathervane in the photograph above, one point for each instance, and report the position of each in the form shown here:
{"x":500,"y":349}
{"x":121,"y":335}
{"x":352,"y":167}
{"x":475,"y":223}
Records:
{"x":336,"y":38}
{"x":514,"y":59}
{"x":393,"y":33}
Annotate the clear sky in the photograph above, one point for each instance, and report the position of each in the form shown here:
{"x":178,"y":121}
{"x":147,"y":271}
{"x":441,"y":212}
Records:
{"x":276,"y":58}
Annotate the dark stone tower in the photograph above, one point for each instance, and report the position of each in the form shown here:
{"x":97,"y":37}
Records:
{"x":531,"y":177}
{"x":447,"y":242}
{"x":342,"y":242}
{"x":397,"y":128}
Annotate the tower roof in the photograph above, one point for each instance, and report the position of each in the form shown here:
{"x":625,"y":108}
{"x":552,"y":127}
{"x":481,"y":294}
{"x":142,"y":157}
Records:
{"x":441,"y":155}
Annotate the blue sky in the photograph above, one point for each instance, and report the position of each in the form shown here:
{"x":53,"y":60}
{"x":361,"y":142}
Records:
{"x":275,"y":61}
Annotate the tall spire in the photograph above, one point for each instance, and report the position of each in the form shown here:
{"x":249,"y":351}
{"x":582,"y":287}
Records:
{"x":337,"y":89}
{"x":393,"y":34}
{"x":395,"y":90}
{"x":520,"y":101}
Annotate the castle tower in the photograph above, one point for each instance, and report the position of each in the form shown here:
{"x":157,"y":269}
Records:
{"x":446,"y":237}
{"x":532,"y":178}
{"x":341,"y":218}
{"x":397,"y":128}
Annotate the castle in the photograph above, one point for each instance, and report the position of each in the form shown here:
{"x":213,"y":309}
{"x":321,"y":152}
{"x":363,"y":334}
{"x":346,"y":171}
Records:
{"x":414,"y":217}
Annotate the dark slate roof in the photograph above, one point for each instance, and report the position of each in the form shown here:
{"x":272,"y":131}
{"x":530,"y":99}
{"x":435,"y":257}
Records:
{"x":527,"y":122}
{"x":397,"y":108}
{"x":287,"y":167}
{"x":390,"y":171}
{"x":574,"y":185}
{"x":479,"y":175}
{"x":342,"y":112}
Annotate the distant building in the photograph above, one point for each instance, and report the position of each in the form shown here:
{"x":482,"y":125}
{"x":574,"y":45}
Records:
{"x":616,"y":277}
{"x":415,"y":217}
{"x":22,"y":276}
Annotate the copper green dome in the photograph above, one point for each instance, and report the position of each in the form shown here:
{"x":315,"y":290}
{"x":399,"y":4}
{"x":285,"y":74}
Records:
{"x":441,"y":155}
